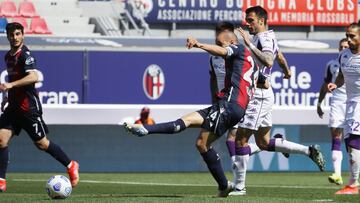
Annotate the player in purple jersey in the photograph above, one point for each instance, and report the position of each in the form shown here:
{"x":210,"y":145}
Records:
{"x":336,"y":114}
{"x":24,"y":110}
{"x":349,"y":75}
{"x":257,"y":120}
{"x":240,"y":77}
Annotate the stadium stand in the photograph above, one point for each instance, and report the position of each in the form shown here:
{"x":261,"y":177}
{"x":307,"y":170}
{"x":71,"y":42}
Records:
{"x":39,"y":26}
{"x":3,"y":23}
{"x":27,"y":9}
{"x":8,"y":9}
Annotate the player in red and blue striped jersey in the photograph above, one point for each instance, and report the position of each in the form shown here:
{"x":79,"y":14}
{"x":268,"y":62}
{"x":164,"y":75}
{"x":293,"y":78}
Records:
{"x":240,"y":79}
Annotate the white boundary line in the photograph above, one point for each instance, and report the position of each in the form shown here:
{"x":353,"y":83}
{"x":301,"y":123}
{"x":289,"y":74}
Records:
{"x":182,"y":184}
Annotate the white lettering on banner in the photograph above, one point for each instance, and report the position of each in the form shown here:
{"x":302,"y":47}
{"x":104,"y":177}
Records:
{"x":51,"y":97}
{"x":266,"y":158}
{"x":288,"y":95}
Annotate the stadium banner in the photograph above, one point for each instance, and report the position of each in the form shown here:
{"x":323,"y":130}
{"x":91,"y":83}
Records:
{"x":280,"y":12}
{"x":159,"y":78}
{"x":60,"y":74}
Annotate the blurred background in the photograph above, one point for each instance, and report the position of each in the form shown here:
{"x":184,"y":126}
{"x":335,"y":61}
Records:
{"x":102,"y":61}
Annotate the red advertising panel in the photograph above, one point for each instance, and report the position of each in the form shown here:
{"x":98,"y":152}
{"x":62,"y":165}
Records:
{"x":308,"y":12}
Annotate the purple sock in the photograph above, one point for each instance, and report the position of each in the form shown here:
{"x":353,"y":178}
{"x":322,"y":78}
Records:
{"x":231,"y":147}
{"x":243,"y":150}
{"x":213,"y":163}
{"x":166,"y":128}
{"x":271,"y":145}
{"x":55,"y":151}
{"x":336,"y":144}
{"x":4,"y":160}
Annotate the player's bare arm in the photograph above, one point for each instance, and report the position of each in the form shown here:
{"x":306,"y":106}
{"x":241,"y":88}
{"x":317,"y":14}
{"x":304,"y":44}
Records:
{"x":267,"y":58}
{"x":280,"y":58}
{"x":322,"y":94}
{"x":338,"y":82}
{"x":30,"y":78}
{"x":211,"y":49}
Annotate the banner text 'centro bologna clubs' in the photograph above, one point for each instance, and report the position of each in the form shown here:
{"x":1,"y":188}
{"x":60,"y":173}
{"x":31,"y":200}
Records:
{"x":280,"y":12}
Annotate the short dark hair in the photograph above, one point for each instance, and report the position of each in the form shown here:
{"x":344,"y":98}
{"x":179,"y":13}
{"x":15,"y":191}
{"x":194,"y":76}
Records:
{"x":224,"y":26}
{"x":259,"y":11}
{"x":342,"y":40}
{"x":11,"y":27}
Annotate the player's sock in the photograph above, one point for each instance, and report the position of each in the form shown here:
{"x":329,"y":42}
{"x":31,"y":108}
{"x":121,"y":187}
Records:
{"x":241,"y":161}
{"x":55,"y":151}
{"x":284,"y":146}
{"x":4,"y":160}
{"x":337,"y":155}
{"x":166,"y":128}
{"x":354,"y":166}
{"x":231,"y":147}
{"x":213,"y":163}
{"x":254,"y":149}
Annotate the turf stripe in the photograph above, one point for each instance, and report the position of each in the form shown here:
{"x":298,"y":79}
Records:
{"x":183,"y":184}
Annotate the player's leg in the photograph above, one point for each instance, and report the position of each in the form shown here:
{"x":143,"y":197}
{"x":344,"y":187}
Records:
{"x":353,"y":150}
{"x":5,"y":135}
{"x":264,"y":142}
{"x":212,"y":160}
{"x":337,"y":156}
{"x":37,"y":130}
{"x":243,"y":151}
{"x":192,"y":119}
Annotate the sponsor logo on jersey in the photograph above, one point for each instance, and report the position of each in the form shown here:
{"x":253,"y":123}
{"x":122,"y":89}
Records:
{"x":153,"y":82}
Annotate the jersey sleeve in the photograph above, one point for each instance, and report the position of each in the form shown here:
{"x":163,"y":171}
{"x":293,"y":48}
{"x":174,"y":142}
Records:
{"x":232,"y":50}
{"x":29,"y":61}
{"x":267,"y":44}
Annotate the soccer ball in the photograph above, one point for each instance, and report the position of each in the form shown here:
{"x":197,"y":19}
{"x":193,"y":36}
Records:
{"x":58,"y":187}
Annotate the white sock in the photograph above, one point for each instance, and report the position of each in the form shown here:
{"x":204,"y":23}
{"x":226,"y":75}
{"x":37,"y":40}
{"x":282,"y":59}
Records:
{"x":354,"y":167}
{"x":285,"y":146}
{"x":241,"y":162}
{"x":233,"y":167}
{"x":337,"y":157}
{"x":254,"y":148}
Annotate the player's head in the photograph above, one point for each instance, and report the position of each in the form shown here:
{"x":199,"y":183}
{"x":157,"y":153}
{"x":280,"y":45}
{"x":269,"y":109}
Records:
{"x":226,"y":38}
{"x":343,"y":44}
{"x":353,"y":36}
{"x":15,"y":34}
{"x":256,"y":19}
{"x":221,"y":27}
{"x":144,"y":113}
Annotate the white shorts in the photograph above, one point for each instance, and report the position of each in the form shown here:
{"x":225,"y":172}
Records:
{"x":258,"y":113}
{"x":352,"y":118}
{"x":337,"y":113}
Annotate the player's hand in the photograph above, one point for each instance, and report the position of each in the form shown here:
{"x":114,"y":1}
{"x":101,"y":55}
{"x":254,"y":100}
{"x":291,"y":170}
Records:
{"x":331,"y":86}
{"x":4,"y":104}
{"x":5,"y":87}
{"x":191,"y":42}
{"x":244,"y":35}
{"x":319,"y":111}
{"x":287,"y":74}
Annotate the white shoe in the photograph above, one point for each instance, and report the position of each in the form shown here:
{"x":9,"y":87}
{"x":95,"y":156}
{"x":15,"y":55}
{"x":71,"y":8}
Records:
{"x":136,"y":129}
{"x":225,"y":193}
{"x":238,"y":192}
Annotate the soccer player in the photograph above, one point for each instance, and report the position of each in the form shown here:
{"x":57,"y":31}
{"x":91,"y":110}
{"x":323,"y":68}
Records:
{"x":24,"y":110}
{"x":240,"y":76}
{"x":337,"y":113}
{"x":217,"y":77}
{"x":257,"y":119}
{"x":350,"y":76}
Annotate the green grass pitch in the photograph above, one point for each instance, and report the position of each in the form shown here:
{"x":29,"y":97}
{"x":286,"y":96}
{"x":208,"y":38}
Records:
{"x":177,"y":187}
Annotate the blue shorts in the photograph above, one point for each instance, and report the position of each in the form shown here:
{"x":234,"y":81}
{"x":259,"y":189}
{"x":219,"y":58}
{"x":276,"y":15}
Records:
{"x":221,"y":116}
{"x":33,"y":124}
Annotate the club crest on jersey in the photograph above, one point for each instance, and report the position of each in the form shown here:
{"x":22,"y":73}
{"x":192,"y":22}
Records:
{"x":153,"y":82}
